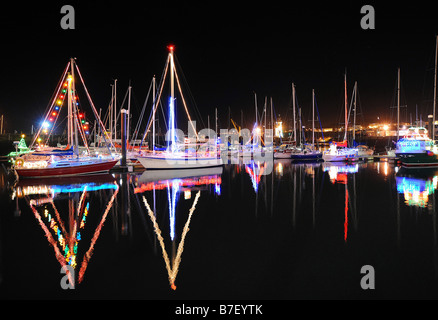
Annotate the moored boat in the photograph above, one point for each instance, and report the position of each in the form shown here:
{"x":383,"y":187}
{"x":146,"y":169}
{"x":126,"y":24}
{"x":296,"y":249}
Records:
{"x":48,"y":162}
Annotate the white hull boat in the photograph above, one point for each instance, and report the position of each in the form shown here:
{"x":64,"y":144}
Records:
{"x":167,"y":160}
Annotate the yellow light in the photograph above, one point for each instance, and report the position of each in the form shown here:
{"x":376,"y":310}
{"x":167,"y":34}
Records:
{"x":258,"y":130}
{"x":22,"y":136}
{"x":385,"y":127}
{"x":69,"y":78}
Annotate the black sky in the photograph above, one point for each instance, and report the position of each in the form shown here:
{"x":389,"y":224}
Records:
{"x":227,"y":50}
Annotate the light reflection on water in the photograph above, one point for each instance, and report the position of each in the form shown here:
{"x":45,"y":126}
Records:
{"x":300,"y":231}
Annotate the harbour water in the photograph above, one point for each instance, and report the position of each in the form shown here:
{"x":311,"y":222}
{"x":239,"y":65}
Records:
{"x":244,"y":231}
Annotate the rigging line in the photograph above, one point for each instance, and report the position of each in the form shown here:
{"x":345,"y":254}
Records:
{"x":51,"y":105}
{"x":140,"y":119}
{"x":81,"y":131}
{"x":154,"y":104}
{"x":319,"y":118}
{"x":102,"y":127}
{"x":185,"y":106}
{"x":89,"y":253}
{"x":121,"y":106}
{"x":195,"y":107}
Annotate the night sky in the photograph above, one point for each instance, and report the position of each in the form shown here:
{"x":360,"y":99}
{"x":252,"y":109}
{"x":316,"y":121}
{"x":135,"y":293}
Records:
{"x":227,"y":51}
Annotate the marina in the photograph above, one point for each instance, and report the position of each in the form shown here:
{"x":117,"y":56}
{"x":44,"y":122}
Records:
{"x":223,"y":159}
{"x":317,"y":222}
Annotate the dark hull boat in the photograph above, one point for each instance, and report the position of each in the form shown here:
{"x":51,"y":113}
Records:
{"x":424,"y":159}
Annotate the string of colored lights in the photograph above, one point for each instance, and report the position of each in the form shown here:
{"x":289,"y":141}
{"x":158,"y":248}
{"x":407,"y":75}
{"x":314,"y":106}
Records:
{"x":56,"y":224}
{"x":155,"y":104}
{"x":51,"y":105}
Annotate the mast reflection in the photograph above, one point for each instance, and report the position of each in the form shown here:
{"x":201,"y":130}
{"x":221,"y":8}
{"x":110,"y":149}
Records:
{"x":338,"y":173}
{"x":175,"y":183}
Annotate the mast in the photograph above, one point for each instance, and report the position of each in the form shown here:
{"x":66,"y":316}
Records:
{"x":271,"y":135}
{"x":346,"y":105}
{"x":115,"y":109}
{"x":69,"y":111}
{"x":398,"y":103}
{"x":129,"y":110}
{"x":153,"y":114}
{"x":313,"y":118}
{"x":264,"y":131}
{"x":256,"y":125}
{"x":110,"y":114}
{"x":74,"y":109}
{"x":172,"y":98}
{"x":354,"y":114}
{"x":434,"y":90}
{"x":293,"y":106}
{"x":215,"y":120}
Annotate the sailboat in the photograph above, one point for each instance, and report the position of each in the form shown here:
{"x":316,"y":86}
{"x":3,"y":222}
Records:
{"x":178,"y":154}
{"x":48,"y":162}
{"x":306,"y":153}
{"x":334,"y":154}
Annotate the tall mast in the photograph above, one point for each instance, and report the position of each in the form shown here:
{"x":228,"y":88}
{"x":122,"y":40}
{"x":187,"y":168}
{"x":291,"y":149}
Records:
{"x":354,"y":114}
{"x":293,"y":111}
{"x":434,"y":90}
{"x":256,"y":125}
{"x":215,"y":121}
{"x":129,"y":110}
{"x":69,"y":110}
{"x":271,"y":143}
{"x":346,"y":103}
{"x":255,"y":104}
{"x":398,"y":103}
{"x":264,"y":131}
{"x":110,"y":115}
{"x":153,"y":114}
{"x":74,"y":109}
{"x":115,"y":109}
{"x":313,"y":118}
{"x":172,"y":98}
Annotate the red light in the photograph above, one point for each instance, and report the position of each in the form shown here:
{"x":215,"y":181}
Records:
{"x":81,"y":115}
{"x":53,"y":113}
{"x":65,"y":84}
{"x":51,"y":119}
{"x":61,"y":97}
{"x":171,"y":47}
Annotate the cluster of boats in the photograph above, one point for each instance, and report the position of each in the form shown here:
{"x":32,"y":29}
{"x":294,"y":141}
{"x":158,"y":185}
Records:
{"x":415,"y":149}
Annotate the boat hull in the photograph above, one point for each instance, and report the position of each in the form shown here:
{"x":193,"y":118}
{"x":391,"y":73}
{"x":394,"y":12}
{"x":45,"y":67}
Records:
{"x":157,"y":162}
{"x":306,"y":157}
{"x":72,"y":168}
{"x":334,"y":158}
{"x":418,"y":160}
{"x":282,"y":155}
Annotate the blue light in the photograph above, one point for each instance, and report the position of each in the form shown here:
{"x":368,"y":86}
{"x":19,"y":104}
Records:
{"x":172,"y":198}
{"x":171,"y":126}
{"x":45,"y":124}
{"x":81,"y":187}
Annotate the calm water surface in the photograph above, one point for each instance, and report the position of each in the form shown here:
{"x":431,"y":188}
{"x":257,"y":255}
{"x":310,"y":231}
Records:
{"x":245,"y":231}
